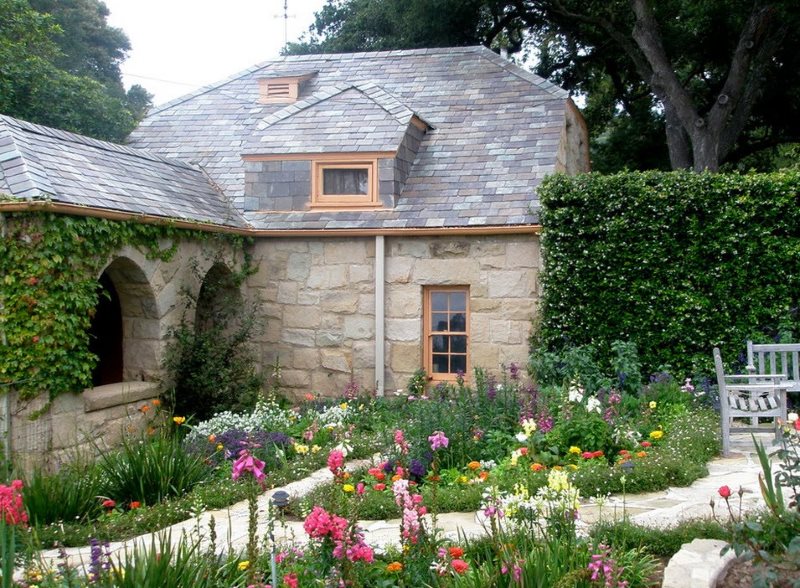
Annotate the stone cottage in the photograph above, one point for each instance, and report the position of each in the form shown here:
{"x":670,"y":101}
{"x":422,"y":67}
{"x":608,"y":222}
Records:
{"x":391,"y":197}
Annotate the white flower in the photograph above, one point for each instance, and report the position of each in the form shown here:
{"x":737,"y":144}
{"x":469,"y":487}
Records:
{"x":575,"y":393}
{"x":593,"y":404}
{"x":792,"y":417}
{"x":521,"y":437}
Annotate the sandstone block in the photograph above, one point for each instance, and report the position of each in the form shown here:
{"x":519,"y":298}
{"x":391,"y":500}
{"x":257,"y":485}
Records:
{"x":409,"y":248}
{"x":405,"y":357}
{"x":308,"y":297}
{"x":441,"y":248}
{"x":326,"y":277}
{"x":361,"y":273}
{"x":118,"y":395}
{"x":296,"y":378}
{"x":305,"y":358}
{"x":345,"y":251}
{"x":306,"y":317}
{"x":298,"y":267}
{"x":510,"y":284}
{"x":404,"y":329}
{"x":445,"y":271}
{"x":328,"y":338}
{"x":341,"y":301}
{"x":301,"y":337}
{"x":336,"y":360}
{"x":398,"y":270}
{"x":404,"y":301}
{"x":358,"y":327}
{"x":287,"y":292}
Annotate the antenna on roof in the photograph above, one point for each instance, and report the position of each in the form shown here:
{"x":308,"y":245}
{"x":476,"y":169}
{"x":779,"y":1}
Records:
{"x":286,"y":16}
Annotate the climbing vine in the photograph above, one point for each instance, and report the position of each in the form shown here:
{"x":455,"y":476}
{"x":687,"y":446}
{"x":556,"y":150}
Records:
{"x":49,"y":266}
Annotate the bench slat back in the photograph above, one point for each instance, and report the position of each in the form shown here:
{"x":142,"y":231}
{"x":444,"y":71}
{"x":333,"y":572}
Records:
{"x":775,"y":358}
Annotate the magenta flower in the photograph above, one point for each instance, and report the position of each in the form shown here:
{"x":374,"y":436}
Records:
{"x":248,"y":463}
{"x":438,"y":440}
{"x":400,"y":441}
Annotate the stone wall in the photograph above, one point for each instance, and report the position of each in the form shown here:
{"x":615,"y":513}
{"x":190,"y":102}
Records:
{"x":77,"y":424}
{"x":318,"y":298}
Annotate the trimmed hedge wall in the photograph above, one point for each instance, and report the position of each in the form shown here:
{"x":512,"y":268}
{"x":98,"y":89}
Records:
{"x":676,"y":262}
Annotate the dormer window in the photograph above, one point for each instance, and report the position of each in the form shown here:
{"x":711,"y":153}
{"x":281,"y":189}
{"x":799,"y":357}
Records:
{"x":282,"y":90}
{"x":344,"y":184}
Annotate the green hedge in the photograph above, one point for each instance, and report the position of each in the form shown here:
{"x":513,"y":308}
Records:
{"x":676,"y":262}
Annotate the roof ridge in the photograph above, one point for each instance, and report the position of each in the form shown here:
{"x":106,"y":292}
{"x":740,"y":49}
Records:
{"x":29,"y":166}
{"x":374,"y":92}
{"x":67,"y":136}
{"x":522,"y":73}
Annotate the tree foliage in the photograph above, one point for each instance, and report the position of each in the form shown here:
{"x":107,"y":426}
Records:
{"x":674,"y":83}
{"x":61,"y":69}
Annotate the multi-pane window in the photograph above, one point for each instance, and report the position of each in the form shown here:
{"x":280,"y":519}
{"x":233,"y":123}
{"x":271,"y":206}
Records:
{"x":344,"y":185}
{"x":446,"y":330}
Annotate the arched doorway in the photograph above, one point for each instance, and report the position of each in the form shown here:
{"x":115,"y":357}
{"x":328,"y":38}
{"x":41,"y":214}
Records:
{"x":105,"y":335}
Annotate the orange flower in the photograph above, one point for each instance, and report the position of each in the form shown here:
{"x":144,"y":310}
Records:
{"x":156,"y":402}
{"x":641,"y":454}
{"x":135,"y":504}
{"x":395,"y":566}
{"x":212,"y":438}
{"x":455,"y":552}
{"x":483,"y":475}
{"x":474,"y":465}
{"x":308,"y":397}
{"x":396,"y":477}
{"x":536,"y":467}
{"x":144,"y":408}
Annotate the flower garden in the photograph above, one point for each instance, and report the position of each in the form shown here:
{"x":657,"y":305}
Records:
{"x":523,"y":456}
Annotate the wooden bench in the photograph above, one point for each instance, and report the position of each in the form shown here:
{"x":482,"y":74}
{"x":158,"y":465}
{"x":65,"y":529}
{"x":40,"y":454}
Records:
{"x":776,"y":358}
{"x":749,"y":396}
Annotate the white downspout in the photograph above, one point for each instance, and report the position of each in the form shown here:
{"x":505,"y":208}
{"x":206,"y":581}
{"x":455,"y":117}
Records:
{"x":380,"y":268}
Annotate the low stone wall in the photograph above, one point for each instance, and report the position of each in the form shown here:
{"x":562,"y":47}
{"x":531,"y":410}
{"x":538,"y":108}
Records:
{"x":98,"y":418}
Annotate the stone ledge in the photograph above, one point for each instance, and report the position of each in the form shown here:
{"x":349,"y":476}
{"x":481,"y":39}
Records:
{"x":118,"y":394}
{"x":697,"y":565}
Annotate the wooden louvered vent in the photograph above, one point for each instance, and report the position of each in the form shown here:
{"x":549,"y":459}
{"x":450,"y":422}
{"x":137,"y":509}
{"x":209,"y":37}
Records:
{"x":281,"y":90}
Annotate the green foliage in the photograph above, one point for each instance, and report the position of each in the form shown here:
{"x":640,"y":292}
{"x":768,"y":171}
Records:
{"x":49,"y":266}
{"x":654,"y":258}
{"x":69,"y":495}
{"x":150,"y":469}
{"x":209,"y":363}
{"x":660,"y":542}
{"x":62,"y":70}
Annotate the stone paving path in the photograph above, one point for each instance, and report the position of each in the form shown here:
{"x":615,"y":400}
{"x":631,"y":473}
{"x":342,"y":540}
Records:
{"x":658,"y":509}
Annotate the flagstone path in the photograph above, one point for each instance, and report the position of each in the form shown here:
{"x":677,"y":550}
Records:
{"x":658,"y":509}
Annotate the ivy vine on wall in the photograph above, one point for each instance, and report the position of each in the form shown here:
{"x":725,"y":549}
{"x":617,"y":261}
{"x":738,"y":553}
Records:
{"x":49,"y":265}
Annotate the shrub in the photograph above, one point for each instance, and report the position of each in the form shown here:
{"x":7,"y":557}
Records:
{"x":150,"y":469}
{"x":66,"y":496}
{"x":661,"y":542}
{"x":654,"y":257}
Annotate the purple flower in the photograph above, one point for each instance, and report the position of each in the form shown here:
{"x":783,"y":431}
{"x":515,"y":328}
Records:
{"x":491,"y":392}
{"x":513,"y":371}
{"x":438,"y":440}
{"x":417,"y":468}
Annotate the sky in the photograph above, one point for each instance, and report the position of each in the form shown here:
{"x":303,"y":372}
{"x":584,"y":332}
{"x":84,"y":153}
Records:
{"x":179,"y":46}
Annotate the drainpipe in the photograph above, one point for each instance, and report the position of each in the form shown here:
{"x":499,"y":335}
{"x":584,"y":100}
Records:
{"x":6,"y":393}
{"x":380,"y":336}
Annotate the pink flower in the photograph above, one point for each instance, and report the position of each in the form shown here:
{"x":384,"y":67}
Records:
{"x":248,"y":463}
{"x":438,"y":440}
{"x":400,"y":441}
{"x":335,"y":461}
{"x":379,"y":487}
{"x":11,"y":506}
{"x":725,"y":492}
{"x":321,"y":524}
{"x":290,"y":580}
{"x":360,"y":488}
{"x":459,"y":566}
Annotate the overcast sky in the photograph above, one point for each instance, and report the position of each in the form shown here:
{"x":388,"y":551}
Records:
{"x":181,"y":45}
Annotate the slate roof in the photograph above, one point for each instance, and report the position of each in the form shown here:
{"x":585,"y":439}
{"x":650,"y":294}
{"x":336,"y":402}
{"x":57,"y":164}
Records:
{"x":495,"y":132}
{"x":340,"y":118}
{"x":40,"y":163}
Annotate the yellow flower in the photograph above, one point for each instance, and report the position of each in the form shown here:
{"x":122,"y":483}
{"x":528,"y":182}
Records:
{"x":348,"y":488}
{"x":652,"y":404}
{"x":220,"y":447}
{"x":343,"y":406}
{"x":300,"y":448}
{"x":315,"y":448}
{"x":575,"y":450}
{"x":656,"y":435}
{"x":572,"y":466}
{"x":178,"y":420}
{"x":462,"y":479}
{"x":243,"y":565}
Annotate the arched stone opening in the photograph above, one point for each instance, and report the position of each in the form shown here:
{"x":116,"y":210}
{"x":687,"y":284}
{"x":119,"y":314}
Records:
{"x":125,"y":332}
{"x":219,"y":299}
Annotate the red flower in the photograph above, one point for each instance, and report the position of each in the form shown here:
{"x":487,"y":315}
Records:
{"x":379,"y":487}
{"x":587,"y":455}
{"x":725,"y":492}
{"x":455,"y":552}
{"x":108,"y":503}
{"x":523,"y":451}
{"x":290,"y":580}
{"x":646,"y":444}
{"x":135,"y":504}
{"x":459,"y":566}
{"x":597,"y":453}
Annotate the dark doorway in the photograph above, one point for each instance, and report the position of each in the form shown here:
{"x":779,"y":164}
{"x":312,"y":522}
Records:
{"x":105,"y":335}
